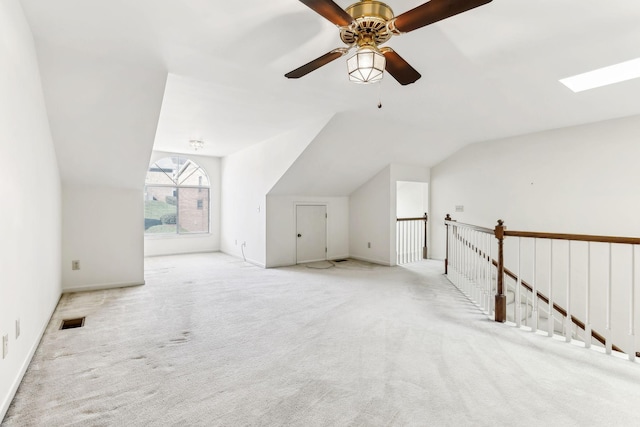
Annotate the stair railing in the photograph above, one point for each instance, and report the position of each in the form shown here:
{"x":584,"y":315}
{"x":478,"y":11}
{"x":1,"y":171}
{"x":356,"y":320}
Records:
{"x":468,"y":263}
{"x":463,"y":245}
{"x":411,"y":239}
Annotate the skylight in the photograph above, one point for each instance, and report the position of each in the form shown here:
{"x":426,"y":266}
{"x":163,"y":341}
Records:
{"x":604,"y":76}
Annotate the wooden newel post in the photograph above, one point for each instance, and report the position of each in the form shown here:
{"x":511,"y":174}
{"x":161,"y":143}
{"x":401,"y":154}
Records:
{"x":501,"y":299}
{"x":446,"y":256}
{"x":424,"y":248}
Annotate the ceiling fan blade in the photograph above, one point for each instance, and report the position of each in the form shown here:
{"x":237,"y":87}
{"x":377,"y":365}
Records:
{"x":433,"y":11}
{"x":316,"y":63}
{"x":331,"y":11}
{"x":399,"y":68}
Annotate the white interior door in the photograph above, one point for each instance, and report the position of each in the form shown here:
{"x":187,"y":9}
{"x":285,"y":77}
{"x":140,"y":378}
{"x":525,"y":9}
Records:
{"x":311,"y":230}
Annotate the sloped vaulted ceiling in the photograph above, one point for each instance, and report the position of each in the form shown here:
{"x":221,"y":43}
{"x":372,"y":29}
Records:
{"x":103,"y":116}
{"x":488,"y":73}
{"x":352,"y":148}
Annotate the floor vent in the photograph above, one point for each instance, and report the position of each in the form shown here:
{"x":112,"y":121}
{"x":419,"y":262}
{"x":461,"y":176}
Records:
{"x":339,"y":260}
{"x":72,"y":323}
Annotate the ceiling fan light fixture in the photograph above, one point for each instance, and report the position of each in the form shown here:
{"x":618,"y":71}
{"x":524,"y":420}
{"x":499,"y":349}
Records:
{"x":366,"y":66}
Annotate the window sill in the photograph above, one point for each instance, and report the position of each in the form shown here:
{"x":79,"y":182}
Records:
{"x":176,"y":236}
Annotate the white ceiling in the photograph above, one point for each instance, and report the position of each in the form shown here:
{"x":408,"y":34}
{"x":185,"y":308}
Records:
{"x":488,"y":73}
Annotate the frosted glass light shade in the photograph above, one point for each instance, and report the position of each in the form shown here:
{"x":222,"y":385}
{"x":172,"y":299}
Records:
{"x":366,"y":66}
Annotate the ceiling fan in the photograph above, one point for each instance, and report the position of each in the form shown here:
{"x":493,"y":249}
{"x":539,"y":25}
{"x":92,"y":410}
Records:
{"x":366,"y":25}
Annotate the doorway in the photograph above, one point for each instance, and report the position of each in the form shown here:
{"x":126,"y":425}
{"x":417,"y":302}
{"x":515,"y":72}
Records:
{"x":311,"y":233}
{"x":411,"y":223}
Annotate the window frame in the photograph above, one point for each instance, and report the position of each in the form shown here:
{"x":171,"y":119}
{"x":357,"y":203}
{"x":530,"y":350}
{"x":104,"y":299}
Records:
{"x":182,"y":162}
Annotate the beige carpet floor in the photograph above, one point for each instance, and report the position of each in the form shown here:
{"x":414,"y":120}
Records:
{"x":213,"y":341}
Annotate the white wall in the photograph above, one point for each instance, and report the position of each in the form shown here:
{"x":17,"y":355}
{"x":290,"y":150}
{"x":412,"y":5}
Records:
{"x":103,"y":229}
{"x":246,"y":178}
{"x":370,"y":220}
{"x":104,"y":114}
{"x":181,"y":244}
{"x":412,"y":199}
{"x":372,"y":213}
{"x":30,"y":214}
{"x":581,"y":179}
{"x":281,"y":227}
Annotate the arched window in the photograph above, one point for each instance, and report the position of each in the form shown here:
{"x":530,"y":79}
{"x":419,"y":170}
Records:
{"x":176,"y":197}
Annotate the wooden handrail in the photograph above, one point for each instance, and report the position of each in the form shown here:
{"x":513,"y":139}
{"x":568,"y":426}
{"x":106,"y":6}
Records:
{"x":420,"y":218}
{"x":597,"y":336}
{"x":575,"y":237}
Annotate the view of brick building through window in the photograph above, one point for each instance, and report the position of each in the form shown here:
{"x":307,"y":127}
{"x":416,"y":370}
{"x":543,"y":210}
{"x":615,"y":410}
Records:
{"x":176,"y":197}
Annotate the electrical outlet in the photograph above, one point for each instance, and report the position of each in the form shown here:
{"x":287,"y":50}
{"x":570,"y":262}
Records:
{"x":5,"y":346}
{"x":17,"y":328}
{"x":75,"y":265}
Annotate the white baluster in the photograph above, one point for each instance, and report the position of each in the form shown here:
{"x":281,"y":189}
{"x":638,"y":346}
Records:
{"x":409,"y":241}
{"x":412,"y":241}
{"x":465,"y":257}
{"x":399,"y":228}
{"x":416,"y":231}
{"x":568,"y":323}
{"x":472,"y":265}
{"x":397,"y":240}
{"x":418,"y":240}
{"x":491,"y":298}
{"x":516,"y":299}
{"x":478,"y":266}
{"x":486,"y":284}
{"x":632,"y":304}
{"x":608,"y":334}
{"x":404,"y":242}
{"x":452,"y":252}
{"x":483,"y":283}
{"x":587,"y":317}
{"x":534,"y":292}
{"x":459,"y":257}
{"x":421,"y":242}
{"x":455,"y":254}
{"x":551,"y":326}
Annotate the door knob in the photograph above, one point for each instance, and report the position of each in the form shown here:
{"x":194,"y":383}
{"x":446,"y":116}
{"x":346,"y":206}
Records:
{"x":299,"y":235}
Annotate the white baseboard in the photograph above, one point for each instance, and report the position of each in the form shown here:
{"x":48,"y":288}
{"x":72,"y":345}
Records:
{"x":23,"y":369}
{"x":371,"y":260}
{"x":256,"y":263}
{"x":100,"y":287}
{"x":208,"y":251}
{"x":250,"y":261}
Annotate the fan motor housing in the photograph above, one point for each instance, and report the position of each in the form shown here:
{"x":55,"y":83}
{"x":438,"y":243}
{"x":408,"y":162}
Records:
{"x":371,"y":23}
